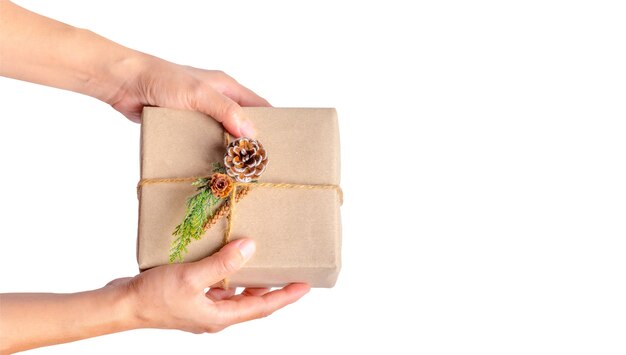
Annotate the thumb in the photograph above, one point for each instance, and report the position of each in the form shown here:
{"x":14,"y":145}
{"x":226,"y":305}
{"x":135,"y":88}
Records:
{"x":224,"y":263}
{"x":226,"y":111}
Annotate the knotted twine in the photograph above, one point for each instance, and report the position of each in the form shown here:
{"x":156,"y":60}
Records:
{"x":228,"y":207}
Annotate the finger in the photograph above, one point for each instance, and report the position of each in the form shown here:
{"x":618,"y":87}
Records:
{"x":223,"y":109}
{"x":253,"y":307}
{"x":244,"y":96}
{"x":218,"y":294}
{"x":222,"y":264}
{"x":254,"y":291}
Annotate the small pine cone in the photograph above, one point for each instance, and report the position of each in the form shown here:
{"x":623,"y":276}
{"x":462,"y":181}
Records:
{"x":221,"y":185}
{"x":245,"y":159}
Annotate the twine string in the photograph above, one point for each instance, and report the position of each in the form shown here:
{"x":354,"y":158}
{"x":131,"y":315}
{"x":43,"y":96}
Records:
{"x":248,"y":185}
{"x":238,"y":192}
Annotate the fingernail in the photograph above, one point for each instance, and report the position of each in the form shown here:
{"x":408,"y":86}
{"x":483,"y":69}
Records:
{"x":247,"y":129}
{"x":247,"y":248}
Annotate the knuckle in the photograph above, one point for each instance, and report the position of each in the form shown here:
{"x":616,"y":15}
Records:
{"x":197,"y":87}
{"x":187,"y":278}
{"x":222,"y":75}
{"x":220,"y":78}
{"x":264,"y":313}
{"x":227,"y":264}
{"x":195,"y":93}
{"x":213,"y":328}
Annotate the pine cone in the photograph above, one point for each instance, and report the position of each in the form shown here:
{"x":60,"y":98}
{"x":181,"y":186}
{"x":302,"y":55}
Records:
{"x":245,"y":159}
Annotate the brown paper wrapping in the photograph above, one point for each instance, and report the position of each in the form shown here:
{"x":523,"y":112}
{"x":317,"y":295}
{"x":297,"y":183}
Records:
{"x":298,"y":231}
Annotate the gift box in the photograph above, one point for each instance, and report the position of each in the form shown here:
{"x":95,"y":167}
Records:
{"x":295,"y":219}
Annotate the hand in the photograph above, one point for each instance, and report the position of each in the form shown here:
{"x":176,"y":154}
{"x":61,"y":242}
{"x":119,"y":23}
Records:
{"x":156,"y":82}
{"x":172,"y":296}
{"x":128,"y":80}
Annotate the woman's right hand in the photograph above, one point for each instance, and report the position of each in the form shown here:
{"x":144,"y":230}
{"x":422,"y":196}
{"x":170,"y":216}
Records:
{"x":174,"y":297}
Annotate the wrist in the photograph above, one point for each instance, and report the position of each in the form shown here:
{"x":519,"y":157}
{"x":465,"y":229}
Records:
{"x":125,"y":306}
{"x":113,"y":70}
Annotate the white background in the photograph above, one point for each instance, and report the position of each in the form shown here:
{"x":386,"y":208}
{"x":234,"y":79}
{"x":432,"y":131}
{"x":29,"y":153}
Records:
{"x":483,"y":151}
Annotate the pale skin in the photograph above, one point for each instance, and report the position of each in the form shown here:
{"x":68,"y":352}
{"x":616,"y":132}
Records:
{"x":40,"y":50}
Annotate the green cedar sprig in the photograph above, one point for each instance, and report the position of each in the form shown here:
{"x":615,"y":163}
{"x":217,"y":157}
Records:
{"x":199,"y":209}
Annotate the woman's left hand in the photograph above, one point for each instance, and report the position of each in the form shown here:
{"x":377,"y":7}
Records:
{"x":156,"y":82}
